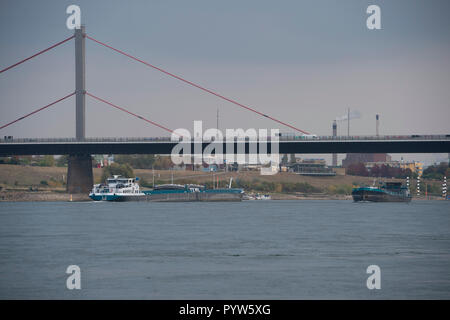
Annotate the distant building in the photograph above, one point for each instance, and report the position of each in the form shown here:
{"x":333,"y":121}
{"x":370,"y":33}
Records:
{"x":311,"y":167}
{"x":103,"y":160}
{"x":339,"y":171}
{"x":353,"y":158}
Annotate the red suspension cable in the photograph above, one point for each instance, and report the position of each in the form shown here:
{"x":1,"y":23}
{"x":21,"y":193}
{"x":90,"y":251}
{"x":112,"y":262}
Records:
{"x":129,"y":112}
{"x":195,"y":85}
{"x":37,"y":110}
{"x":35,"y":55}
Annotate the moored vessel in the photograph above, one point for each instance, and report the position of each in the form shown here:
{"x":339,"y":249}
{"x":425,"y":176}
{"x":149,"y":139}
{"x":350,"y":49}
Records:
{"x":127,"y":189}
{"x":118,"y":188}
{"x":256,"y":196}
{"x":263,"y":197}
{"x":193,"y":192}
{"x":386,"y":192}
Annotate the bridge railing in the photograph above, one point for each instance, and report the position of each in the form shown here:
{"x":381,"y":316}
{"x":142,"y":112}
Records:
{"x":167,"y":139}
{"x":74,"y":140}
{"x":362,"y":137}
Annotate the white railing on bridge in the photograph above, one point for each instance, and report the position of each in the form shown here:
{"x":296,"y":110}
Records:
{"x":9,"y":139}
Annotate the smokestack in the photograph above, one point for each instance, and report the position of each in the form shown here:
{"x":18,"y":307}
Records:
{"x":348,"y":122}
{"x":334,"y":156}
{"x":377,"y":117}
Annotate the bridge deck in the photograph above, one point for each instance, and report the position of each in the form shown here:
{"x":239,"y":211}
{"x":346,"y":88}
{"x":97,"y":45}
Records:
{"x":163,"y":145}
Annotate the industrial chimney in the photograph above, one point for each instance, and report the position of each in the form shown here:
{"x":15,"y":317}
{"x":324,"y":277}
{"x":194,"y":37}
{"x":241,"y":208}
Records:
{"x":377,"y":117}
{"x":334,"y":157}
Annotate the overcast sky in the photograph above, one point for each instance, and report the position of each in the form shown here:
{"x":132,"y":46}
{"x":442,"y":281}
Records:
{"x":304,"y":62}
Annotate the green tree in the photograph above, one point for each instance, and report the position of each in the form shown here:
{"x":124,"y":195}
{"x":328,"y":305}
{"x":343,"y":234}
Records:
{"x":357,"y":169}
{"x":47,"y":161}
{"x":163,"y":162}
{"x":123,"y":170}
{"x":10,"y":160}
{"x":137,"y":161}
{"x":62,"y":161}
{"x":437,"y":171}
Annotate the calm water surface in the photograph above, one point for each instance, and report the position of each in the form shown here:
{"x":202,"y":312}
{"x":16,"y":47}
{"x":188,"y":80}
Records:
{"x":248,"y":250}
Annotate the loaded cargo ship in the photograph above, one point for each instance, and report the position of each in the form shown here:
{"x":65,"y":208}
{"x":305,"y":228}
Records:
{"x":127,"y":189}
{"x":387,"y":192}
{"x":193,"y":192}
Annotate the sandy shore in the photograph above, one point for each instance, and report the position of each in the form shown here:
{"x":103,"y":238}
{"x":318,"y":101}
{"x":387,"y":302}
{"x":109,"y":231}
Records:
{"x":282,"y":196}
{"x":48,"y":183}
{"x":60,"y":196}
{"x":52,"y":196}
{"x":49,"y":196}
{"x":41,"y":196}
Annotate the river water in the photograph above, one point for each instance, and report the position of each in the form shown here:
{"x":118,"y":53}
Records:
{"x":248,"y":250}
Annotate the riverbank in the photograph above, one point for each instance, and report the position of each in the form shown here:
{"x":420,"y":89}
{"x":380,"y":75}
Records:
{"x":32,"y":183}
{"x":53,"y":196}
{"x":39,"y":196}
{"x":58,"y":196}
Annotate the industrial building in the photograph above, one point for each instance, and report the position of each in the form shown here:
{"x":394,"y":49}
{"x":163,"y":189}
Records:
{"x":353,"y":158}
{"x":311,"y":167}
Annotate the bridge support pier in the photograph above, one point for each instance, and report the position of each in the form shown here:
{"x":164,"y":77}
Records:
{"x":79,"y":174}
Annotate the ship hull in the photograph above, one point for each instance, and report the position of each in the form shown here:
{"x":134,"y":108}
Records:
{"x":119,"y":198}
{"x":177,"y":196}
{"x":378,"y":196}
{"x":210,"y":196}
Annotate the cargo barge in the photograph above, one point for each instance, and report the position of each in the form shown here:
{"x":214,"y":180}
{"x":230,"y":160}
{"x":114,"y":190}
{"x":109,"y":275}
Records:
{"x":127,"y":189}
{"x":191,"y":192}
{"x":387,"y":192}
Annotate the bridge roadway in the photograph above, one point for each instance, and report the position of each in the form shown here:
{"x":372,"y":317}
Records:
{"x":163,"y":145}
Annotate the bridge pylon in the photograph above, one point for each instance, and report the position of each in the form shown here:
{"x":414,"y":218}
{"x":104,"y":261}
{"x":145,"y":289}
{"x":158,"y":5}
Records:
{"x":80,"y":82}
{"x":79,"y":171}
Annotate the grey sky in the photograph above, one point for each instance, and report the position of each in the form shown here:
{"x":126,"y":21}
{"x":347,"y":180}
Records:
{"x":303,"y":62}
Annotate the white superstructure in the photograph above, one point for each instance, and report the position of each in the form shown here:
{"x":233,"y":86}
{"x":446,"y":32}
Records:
{"x":115,"y":188}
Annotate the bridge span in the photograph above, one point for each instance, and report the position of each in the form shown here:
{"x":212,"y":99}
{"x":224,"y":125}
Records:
{"x":80,"y":175}
{"x":163,"y":145}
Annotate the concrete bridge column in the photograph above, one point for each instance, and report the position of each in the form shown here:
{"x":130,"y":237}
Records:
{"x":79,"y":174}
{"x":79,"y":171}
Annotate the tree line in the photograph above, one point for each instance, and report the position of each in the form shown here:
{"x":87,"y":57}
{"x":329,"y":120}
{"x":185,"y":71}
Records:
{"x":384,"y":171}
